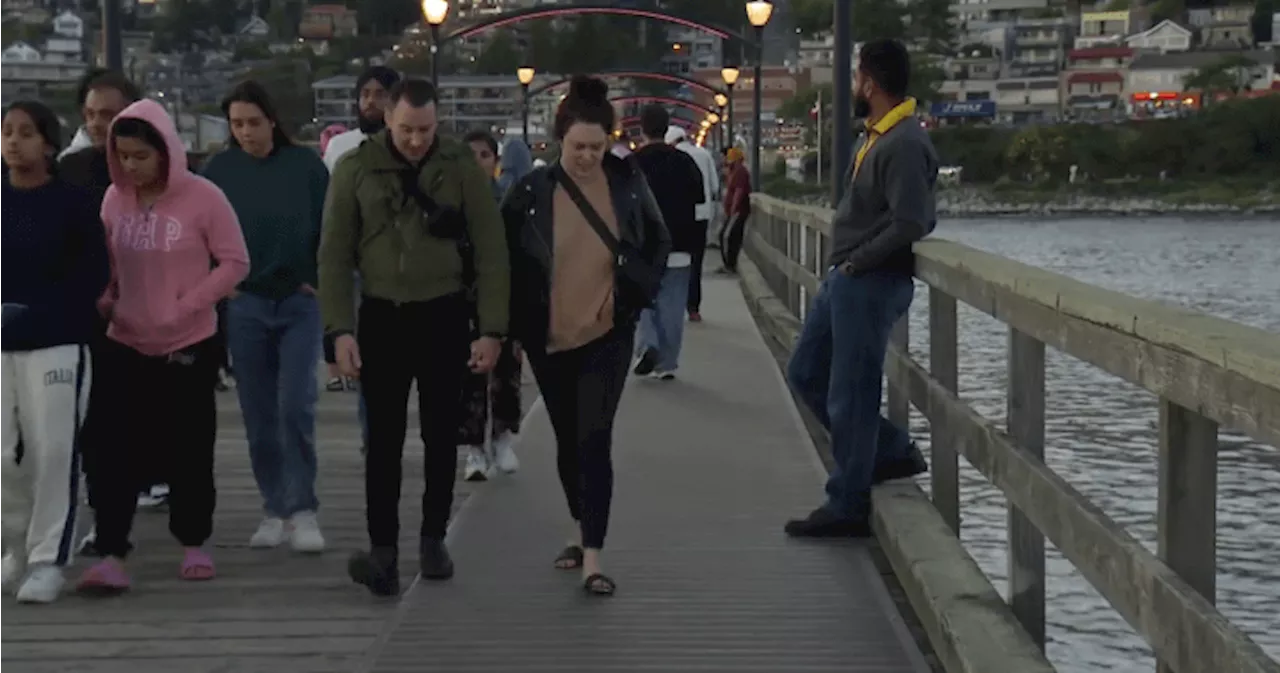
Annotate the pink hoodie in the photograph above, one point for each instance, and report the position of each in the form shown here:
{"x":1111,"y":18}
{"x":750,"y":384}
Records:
{"x":164,"y":284}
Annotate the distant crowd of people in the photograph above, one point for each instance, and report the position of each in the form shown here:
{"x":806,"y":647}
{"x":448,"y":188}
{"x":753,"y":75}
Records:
{"x":403,"y":258}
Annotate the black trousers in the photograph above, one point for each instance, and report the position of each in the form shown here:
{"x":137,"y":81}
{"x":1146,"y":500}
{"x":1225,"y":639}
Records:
{"x":581,"y":389}
{"x":428,"y":342}
{"x":695,"y":278}
{"x":92,"y":430}
{"x":731,"y":240}
{"x":158,"y":419}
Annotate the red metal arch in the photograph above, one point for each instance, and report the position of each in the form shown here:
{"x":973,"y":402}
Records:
{"x":637,"y":74}
{"x":632,"y":121}
{"x":533,"y":13}
{"x":665,"y":100}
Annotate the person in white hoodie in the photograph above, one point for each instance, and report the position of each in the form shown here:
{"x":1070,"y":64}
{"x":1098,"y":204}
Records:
{"x":371,"y":97}
{"x":704,"y":212}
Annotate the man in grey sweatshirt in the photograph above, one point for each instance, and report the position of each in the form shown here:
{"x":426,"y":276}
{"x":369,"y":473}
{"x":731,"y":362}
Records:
{"x":838,"y":362}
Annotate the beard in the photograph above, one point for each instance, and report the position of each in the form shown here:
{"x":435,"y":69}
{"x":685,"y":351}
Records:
{"x":861,"y":107}
{"x":370,"y":126}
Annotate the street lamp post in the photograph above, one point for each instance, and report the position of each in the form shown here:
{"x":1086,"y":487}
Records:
{"x":758,"y":13}
{"x":842,"y":105}
{"x":712,"y":120}
{"x":525,"y":75}
{"x":111,"y":41}
{"x":435,"y":12}
{"x":730,"y":77}
{"x":721,"y":101}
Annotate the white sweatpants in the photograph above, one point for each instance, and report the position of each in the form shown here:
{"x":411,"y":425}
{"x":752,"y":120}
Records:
{"x":46,"y":394}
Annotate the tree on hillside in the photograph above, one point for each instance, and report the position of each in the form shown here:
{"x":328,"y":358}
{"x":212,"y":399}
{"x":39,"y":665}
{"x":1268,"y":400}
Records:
{"x":388,"y":17}
{"x":812,"y":16}
{"x":931,"y":25}
{"x":500,"y":56}
{"x":1227,"y":74}
{"x":878,"y":19}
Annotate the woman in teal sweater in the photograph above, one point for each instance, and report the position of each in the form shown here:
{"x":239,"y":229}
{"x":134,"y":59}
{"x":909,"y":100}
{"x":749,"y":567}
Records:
{"x":273,"y":319}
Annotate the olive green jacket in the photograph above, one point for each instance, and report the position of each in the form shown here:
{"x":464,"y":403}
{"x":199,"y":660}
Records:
{"x":372,"y":227}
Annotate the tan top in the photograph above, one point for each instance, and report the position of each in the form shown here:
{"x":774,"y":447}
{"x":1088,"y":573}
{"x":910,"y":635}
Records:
{"x":582,"y":273}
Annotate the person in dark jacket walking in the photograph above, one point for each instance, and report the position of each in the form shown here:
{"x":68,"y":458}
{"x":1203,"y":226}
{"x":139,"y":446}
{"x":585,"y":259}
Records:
{"x":273,"y":320}
{"x":55,"y":268}
{"x":574,"y":310}
{"x":401,"y":208}
{"x":676,"y":182}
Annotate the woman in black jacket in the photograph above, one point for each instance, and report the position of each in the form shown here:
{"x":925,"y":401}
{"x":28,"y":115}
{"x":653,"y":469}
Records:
{"x":588,"y":246}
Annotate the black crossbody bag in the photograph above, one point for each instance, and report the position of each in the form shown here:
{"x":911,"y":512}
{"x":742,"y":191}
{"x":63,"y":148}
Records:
{"x":449,"y":224}
{"x":637,"y":281}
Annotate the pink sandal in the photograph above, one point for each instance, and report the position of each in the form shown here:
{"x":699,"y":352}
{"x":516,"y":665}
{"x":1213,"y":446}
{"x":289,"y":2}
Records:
{"x":197,"y":565}
{"x":104,"y":577}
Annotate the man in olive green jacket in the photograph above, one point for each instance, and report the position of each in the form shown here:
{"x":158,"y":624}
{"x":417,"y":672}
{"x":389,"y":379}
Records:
{"x":399,"y":208}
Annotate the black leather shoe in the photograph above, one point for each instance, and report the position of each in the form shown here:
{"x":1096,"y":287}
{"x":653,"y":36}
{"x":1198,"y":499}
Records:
{"x":822,"y":523}
{"x":901,"y":468}
{"x":434,"y":559}
{"x":377,"y":569}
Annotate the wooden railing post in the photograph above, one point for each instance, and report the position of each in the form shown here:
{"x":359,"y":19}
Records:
{"x":899,"y":396}
{"x":944,"y":465}
{"x":1025,"y":422}
{"x":1186,"y":512}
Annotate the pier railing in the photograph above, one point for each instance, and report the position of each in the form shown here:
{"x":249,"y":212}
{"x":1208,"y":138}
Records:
{"x":1206,"y":373}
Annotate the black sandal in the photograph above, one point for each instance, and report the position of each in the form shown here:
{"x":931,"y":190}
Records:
{"x":570,"y":558}
{"x":599,"y":584}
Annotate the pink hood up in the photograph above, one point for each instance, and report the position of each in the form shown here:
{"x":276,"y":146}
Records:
{"x":172,"y":261}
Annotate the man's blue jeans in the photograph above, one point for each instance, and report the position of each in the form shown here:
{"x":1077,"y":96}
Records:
{"x":662,"y":327}
{"x":275,"y":345}
{"x":836,"y":369}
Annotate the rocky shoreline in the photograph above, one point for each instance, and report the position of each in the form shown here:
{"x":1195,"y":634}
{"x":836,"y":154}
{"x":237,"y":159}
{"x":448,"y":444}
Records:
{"x":968,"y":203}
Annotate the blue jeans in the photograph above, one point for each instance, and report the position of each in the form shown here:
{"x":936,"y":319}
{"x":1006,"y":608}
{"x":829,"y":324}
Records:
{"x":275,"y":345}
{"x":662,"y":327}
{"x":836,"y":369}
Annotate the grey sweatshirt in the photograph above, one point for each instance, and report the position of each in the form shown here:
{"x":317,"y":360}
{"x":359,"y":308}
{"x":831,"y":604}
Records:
{"x":891,"y":203}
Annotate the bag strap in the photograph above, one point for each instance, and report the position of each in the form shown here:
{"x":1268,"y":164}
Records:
{"x":409,"y":185}
{"x":588,"y":211}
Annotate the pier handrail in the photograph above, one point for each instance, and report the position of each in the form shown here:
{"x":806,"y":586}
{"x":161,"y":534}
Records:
{"x":1206,"y":372}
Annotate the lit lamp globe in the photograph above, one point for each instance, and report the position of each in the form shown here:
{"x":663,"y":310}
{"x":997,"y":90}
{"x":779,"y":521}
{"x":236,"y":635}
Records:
{"x":435,"y":11}
{"x":713,"y":118}
{"x":721,"y":100}
{"x":758,"y":12}
{"x":525,"y":75}
{"x":730,"y":75}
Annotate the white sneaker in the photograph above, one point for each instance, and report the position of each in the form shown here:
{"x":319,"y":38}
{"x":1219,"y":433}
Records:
{"x":270,"y":534}
{"x":304,"y":535}
{"x":504,"y":448}
{"x":15,"y":567}
{"x":158,"y":495}
{"x":477,"y":467}
{"x":88,"y":545}
{"x":43,"y":584}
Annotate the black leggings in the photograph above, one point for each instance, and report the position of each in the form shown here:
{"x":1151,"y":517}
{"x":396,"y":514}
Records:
{"x":582,"y":388}
{"x":731,"y":240}
{"x":695,"y":278}
{"x":158,"y":420}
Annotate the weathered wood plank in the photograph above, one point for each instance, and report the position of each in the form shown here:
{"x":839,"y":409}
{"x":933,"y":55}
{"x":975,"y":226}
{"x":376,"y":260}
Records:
{"x":1186,"y":513}
{"x":1025,"y":421}
{"x":944,"y":359}
{"x":1158,"y":603}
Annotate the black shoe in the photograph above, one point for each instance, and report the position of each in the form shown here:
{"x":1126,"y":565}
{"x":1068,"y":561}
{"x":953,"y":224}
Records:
{"x":434,"y":559}
{"x":823,"y":523}
{"x":901,"y":468}
{"x":647,"y":363}
{"x":377,"y":569}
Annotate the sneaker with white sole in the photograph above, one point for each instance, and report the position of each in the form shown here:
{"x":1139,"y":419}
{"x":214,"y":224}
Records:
{"x":89,"y":544}
{"x":304,"y":533}
{"x":504,"y":449}
{"x":477,"y":466}
{"x":270,"y":534}
{"x":156,"y":496}
{"x":43,"y":584}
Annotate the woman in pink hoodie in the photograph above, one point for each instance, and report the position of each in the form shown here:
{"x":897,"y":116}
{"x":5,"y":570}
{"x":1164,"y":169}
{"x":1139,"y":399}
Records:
{"x":176,"y":250}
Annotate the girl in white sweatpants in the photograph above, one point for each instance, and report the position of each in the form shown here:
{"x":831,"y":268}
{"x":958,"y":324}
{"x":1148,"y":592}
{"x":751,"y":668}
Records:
{"x":55,"y":266}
